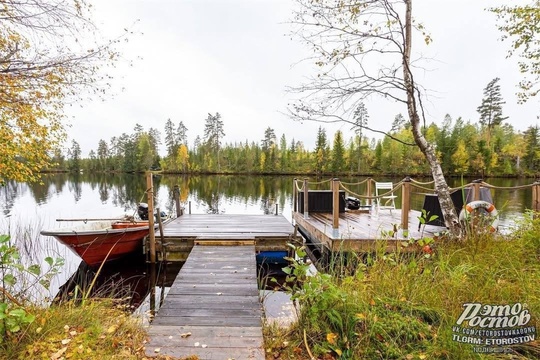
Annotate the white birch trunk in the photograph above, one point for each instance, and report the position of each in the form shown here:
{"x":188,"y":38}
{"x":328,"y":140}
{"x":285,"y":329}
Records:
{"x":441,"y":187}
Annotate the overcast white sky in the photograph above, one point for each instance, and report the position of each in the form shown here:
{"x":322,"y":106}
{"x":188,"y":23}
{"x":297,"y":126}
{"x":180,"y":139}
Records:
{"x":234,"y":57}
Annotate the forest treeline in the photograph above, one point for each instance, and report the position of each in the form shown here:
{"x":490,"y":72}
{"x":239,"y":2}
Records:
{"x":463,"y":148}
{"x":490,"y":147}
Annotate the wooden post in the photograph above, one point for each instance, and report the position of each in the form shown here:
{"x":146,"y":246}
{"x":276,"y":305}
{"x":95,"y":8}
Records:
{"x":160,"y":226}
{"x":369,"y":191}
{"x":405,"y":204}
{"x":536,"y":198}
{"x":306,"y":213}
{"x":150,"y":199}
{"x":152,"y":289}
{"x":335,"y":208}
{"x":476,"y":190}
{"x":277,"y":210}
{"x":189,"y":206}
{"x":176,"y":194}
{"x":295,"y":196}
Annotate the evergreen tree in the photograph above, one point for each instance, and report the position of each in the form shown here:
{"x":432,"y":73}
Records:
{"x":445,"y":147}
{"x":320,"y":150}
{"x":283,"y":159}
{"x":338,"y":153}
{"x":269,"y":139}
{"x":181,"y":133}
{"x":360,"y":118}
{"x":102,"y":155}
{"x":532,"y":149}
{"x":170,"y":138}
{"x":213,"y":133}
{"x":491,"y":108}
{"x":74,"y":156}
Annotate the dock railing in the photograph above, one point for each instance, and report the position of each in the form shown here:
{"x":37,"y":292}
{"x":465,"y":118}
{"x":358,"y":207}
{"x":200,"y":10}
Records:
{"x":408,"y":188}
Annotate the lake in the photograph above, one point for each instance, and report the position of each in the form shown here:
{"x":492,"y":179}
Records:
{"x":29,"y":208}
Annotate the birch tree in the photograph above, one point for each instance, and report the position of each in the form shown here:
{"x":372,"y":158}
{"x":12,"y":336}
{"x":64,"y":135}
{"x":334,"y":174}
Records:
{"x":363,"y":48}
{"x":519,"y":25}
{"x":49,"y":52}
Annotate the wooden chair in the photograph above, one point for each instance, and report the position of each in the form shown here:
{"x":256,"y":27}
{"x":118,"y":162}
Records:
{"x":387,"y":201}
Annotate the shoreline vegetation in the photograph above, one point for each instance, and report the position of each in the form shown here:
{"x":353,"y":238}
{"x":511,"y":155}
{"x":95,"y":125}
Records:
{"x":462,"y":149}
{"x":376,"y":306}
{"x":299,"y":174}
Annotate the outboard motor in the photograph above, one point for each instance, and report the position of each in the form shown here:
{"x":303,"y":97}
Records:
{"x":352,"y":203}
{"x":142,"y":210}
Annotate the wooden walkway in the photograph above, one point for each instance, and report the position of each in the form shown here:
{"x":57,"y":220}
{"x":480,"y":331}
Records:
{"x":212,"y":310}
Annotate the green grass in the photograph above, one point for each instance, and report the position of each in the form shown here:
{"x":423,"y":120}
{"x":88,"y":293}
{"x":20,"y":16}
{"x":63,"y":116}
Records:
{"x":403,"y":307}
{"x":97,"y":330}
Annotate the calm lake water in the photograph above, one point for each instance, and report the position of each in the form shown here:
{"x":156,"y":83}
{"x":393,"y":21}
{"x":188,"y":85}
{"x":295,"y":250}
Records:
{"x":28,"y":208}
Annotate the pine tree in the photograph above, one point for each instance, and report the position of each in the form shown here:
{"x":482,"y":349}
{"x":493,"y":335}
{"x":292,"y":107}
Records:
{"x":361,"y":118}
{"x":213,"y":133}
{"x":338,"y":153}
{"x":491,"y":108}
{"x":181,"y":133}
{"x":102,"y":154}
{"x":74,"y":154}
{"x":320,"y":150}
{"x":170,"y":138}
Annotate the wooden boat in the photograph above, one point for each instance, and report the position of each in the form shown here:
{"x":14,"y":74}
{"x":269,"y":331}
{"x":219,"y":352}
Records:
{"x":99,"y":241}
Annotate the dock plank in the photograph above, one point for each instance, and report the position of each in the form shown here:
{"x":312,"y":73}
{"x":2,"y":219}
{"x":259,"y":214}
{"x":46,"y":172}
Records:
{"x":215,"y":298}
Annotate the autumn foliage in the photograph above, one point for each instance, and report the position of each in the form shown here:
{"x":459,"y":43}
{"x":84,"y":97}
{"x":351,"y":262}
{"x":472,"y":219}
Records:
{"x":48,"y":54}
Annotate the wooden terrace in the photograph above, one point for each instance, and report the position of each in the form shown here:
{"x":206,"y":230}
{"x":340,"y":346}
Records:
{"x":360,"y":231}
{"x":324,"y":220}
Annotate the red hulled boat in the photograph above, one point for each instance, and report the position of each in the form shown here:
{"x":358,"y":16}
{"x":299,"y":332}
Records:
{"x":99,"y":241}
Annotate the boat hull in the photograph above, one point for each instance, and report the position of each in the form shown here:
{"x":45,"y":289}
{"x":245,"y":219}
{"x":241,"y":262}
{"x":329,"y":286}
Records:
{"x":97,"y":245}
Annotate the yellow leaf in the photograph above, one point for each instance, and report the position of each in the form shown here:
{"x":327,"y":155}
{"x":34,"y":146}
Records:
{"x":338,"y":351}
{"x":361,"y":316}
{"x":331,"y":338}
{"x":185,"y":335}
{"x":422,"y":356}
{"x":57,"y":355}
{"x":112,"y":329}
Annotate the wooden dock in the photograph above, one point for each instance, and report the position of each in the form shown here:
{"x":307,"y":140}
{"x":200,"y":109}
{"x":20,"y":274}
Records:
{"x":212,"y":310}
{"x":360,"y":231}
{"x":266,"y":232}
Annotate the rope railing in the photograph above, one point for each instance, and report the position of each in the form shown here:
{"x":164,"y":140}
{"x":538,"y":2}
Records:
{"x":298,"y":187}
{"x":422,"y":183}
{"x":370,"y":197}
{"x":319,"y":182}
{"x":520,"y":187}
{"x":416,"y":186}
{"x":357,"y":183}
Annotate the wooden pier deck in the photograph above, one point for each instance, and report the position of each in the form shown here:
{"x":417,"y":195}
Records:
{"x":266,"y":232}
{"x":361,"y":231}
{"x":212,"y":310}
